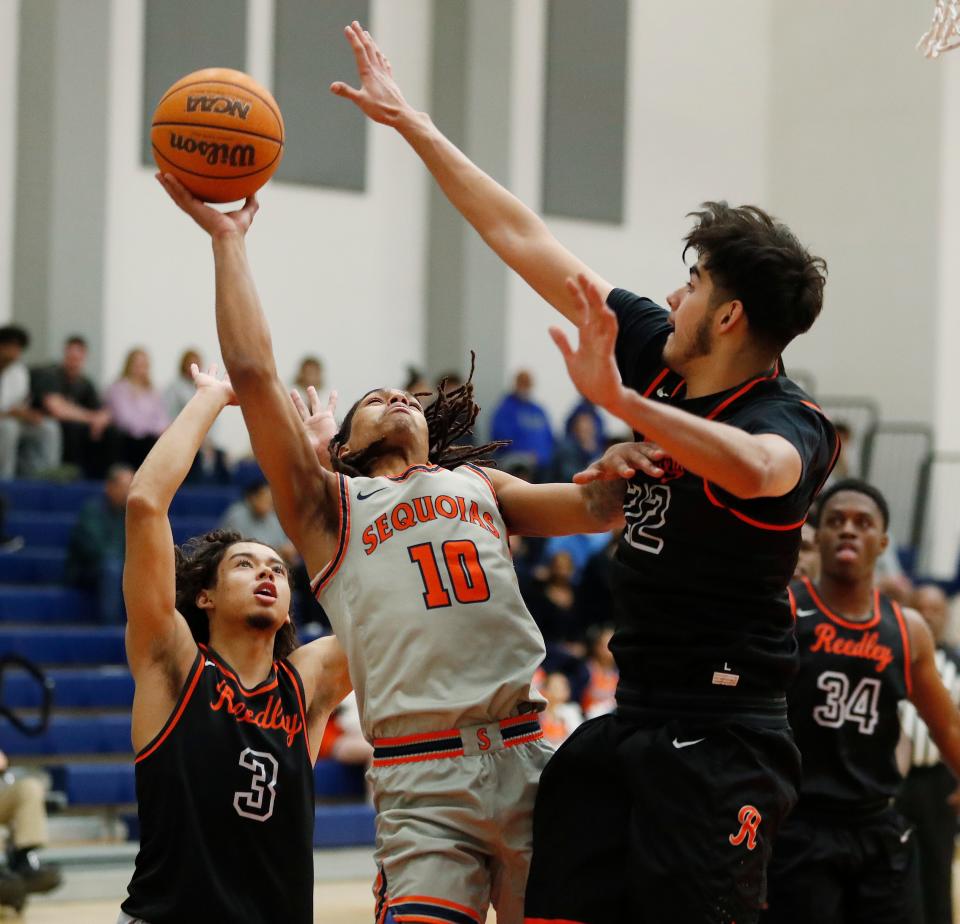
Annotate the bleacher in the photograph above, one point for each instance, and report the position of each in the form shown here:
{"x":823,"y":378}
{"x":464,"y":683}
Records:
{"x":86,"y":748}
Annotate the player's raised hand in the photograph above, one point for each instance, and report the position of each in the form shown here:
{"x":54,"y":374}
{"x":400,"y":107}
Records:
{"x":213,"y":221}
{"x":210,"y":381}
{"x":379,"y":97}
{"x":624,"y":460}
{"x":592,"y":366}
{"x":319,"y":419}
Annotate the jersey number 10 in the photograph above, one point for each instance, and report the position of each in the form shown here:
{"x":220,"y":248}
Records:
{"x":465,"y":573}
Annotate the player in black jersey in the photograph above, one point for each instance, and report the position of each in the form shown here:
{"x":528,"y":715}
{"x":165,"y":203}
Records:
{"x":666,"y":811}
{"x":228,"y":712}
{"x":844,"y":854}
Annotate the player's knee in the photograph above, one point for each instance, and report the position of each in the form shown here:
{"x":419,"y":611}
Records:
{"x":30,"y":789}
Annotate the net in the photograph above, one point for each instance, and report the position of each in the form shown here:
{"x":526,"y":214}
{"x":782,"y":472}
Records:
{"x":944,"y":32}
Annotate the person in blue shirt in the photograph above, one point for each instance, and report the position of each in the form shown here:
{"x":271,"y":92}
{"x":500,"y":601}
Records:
{"x":519,"y":419}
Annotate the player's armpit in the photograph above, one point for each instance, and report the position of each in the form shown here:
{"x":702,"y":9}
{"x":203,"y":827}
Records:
{"x":322,"y":665}
{"x":556,"y":509}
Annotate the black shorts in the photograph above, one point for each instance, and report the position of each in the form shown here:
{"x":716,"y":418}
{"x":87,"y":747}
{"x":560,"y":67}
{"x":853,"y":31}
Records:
{"x":842,"y":870}
{"x":673,"y":823}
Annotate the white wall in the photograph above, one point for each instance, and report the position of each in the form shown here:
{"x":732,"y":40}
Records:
{"x":335,"y":276}
{"x":854,"y":168}
{"x":689,"y":138}
{"x":9,"y":34}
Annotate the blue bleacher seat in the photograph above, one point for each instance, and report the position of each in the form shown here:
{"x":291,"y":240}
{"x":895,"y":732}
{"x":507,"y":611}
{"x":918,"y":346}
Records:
{"x":38,"y":603}
{"x":66,"y":644}
{"x":74,"y":688}
{"x":333,"y":780}
{"x":33,"y":566}
{"x":343,"y":826}
{"x":95,"y":734}
{"x":96,"y":784}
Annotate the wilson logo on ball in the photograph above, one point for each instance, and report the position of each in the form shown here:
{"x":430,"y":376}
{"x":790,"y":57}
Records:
{"x":219,"y":104}
{"x":236,"y":155}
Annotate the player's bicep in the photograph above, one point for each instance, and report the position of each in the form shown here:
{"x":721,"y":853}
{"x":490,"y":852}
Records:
{"x":549,"y":509}
{"x":155,"y":630}
{"x":782,"y":465}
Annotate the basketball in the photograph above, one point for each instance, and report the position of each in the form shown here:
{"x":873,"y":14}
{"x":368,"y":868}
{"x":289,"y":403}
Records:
{"x":219,"y":132}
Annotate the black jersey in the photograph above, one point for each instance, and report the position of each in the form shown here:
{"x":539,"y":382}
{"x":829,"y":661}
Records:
{"x":700,"y":578}
{"x":225,"y":800}
{"x":843,"y":703}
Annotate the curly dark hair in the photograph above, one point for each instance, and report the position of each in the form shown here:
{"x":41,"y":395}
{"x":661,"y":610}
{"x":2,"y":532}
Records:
{"x":196,"y":564}
{"x":758,"y":260}
{"x":451,"y":416}
{"x":857,"y":486}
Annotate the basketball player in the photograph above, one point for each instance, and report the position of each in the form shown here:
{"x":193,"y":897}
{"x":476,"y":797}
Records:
{"x":843,"y":856}
{"x":409,"y":545}
{"x":704,"y":638}
{"x":228,"y":712}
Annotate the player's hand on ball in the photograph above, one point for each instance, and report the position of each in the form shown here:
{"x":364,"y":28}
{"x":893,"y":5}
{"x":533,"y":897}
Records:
{"x":592,"y":365}
{"x":624,"y":460}
{"x":379,"y":97}
{"x":213,"y":221}
{"x":210,"y":381}
{"x":320,"y":421}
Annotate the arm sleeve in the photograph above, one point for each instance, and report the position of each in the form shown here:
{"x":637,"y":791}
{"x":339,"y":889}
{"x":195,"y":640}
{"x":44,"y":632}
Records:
{"x":643,"y":329}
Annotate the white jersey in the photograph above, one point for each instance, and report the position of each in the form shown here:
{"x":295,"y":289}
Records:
{"x":423,"y":597}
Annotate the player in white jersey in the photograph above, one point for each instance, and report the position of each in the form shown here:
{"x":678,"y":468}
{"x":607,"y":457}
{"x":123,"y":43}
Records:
{"x":413,"y":567}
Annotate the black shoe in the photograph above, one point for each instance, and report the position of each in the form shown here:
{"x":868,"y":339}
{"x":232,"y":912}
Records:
{"x":36,"y":876}
{"x":13,"y":890}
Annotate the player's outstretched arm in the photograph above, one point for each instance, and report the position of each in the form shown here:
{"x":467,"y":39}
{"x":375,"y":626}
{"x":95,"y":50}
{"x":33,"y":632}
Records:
{"x":930,"y":696}
{"x":565,"y":509}
{"x":514,"y":232}
{"x":304,"y":493}
{"x":744,"y":464}
{"x":156,"y":633}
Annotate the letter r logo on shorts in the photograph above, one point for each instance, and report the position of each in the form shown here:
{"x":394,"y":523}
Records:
{"x":749,"y":819}
{"x":483,"y":739}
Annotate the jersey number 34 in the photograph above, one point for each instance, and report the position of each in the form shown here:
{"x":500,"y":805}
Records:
{"x":859,"y":707}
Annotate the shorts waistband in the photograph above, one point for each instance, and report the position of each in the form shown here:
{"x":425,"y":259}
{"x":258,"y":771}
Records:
{"x":457,"y":742}
{"x":654,"y":707}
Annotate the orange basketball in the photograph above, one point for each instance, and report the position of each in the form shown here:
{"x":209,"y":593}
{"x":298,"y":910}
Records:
{"x":219,"y":133}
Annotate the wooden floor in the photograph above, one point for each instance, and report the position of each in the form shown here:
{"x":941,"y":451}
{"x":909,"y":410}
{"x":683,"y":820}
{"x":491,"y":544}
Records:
{"x":335,"y":903}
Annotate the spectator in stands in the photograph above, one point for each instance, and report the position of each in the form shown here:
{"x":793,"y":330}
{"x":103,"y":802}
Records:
{"x":594,"y":596}
{"x":181,"y":389}
{"x":65,"y":393}
{"x":23,"y":811}
{"x":210,"y":465}
{"x":95,"y":553}
{"x":930,"y":784}
{"x":581,"y":446}
{"x":551,"y":601}
{"x":138,"y":410}
{"x":29,"y":440}
{"x":416,"y":383}
{"x":519,"y":419}
{"x":561,"y":717}
{"x":808,"y":561}
{"x":588,"y":407}
{"x":311,"y":375}
{"x":599,"y":696}
{"x":254,"y":517}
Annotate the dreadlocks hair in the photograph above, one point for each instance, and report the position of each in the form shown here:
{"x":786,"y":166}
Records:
{"x":450,"y":416}
{"x":755,"y":258}
{"x":196,"y":564}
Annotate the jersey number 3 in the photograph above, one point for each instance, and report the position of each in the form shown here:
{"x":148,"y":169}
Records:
{"x":859,"y":707}
{"x":257,"y":801}
{"x":466,"y":575}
